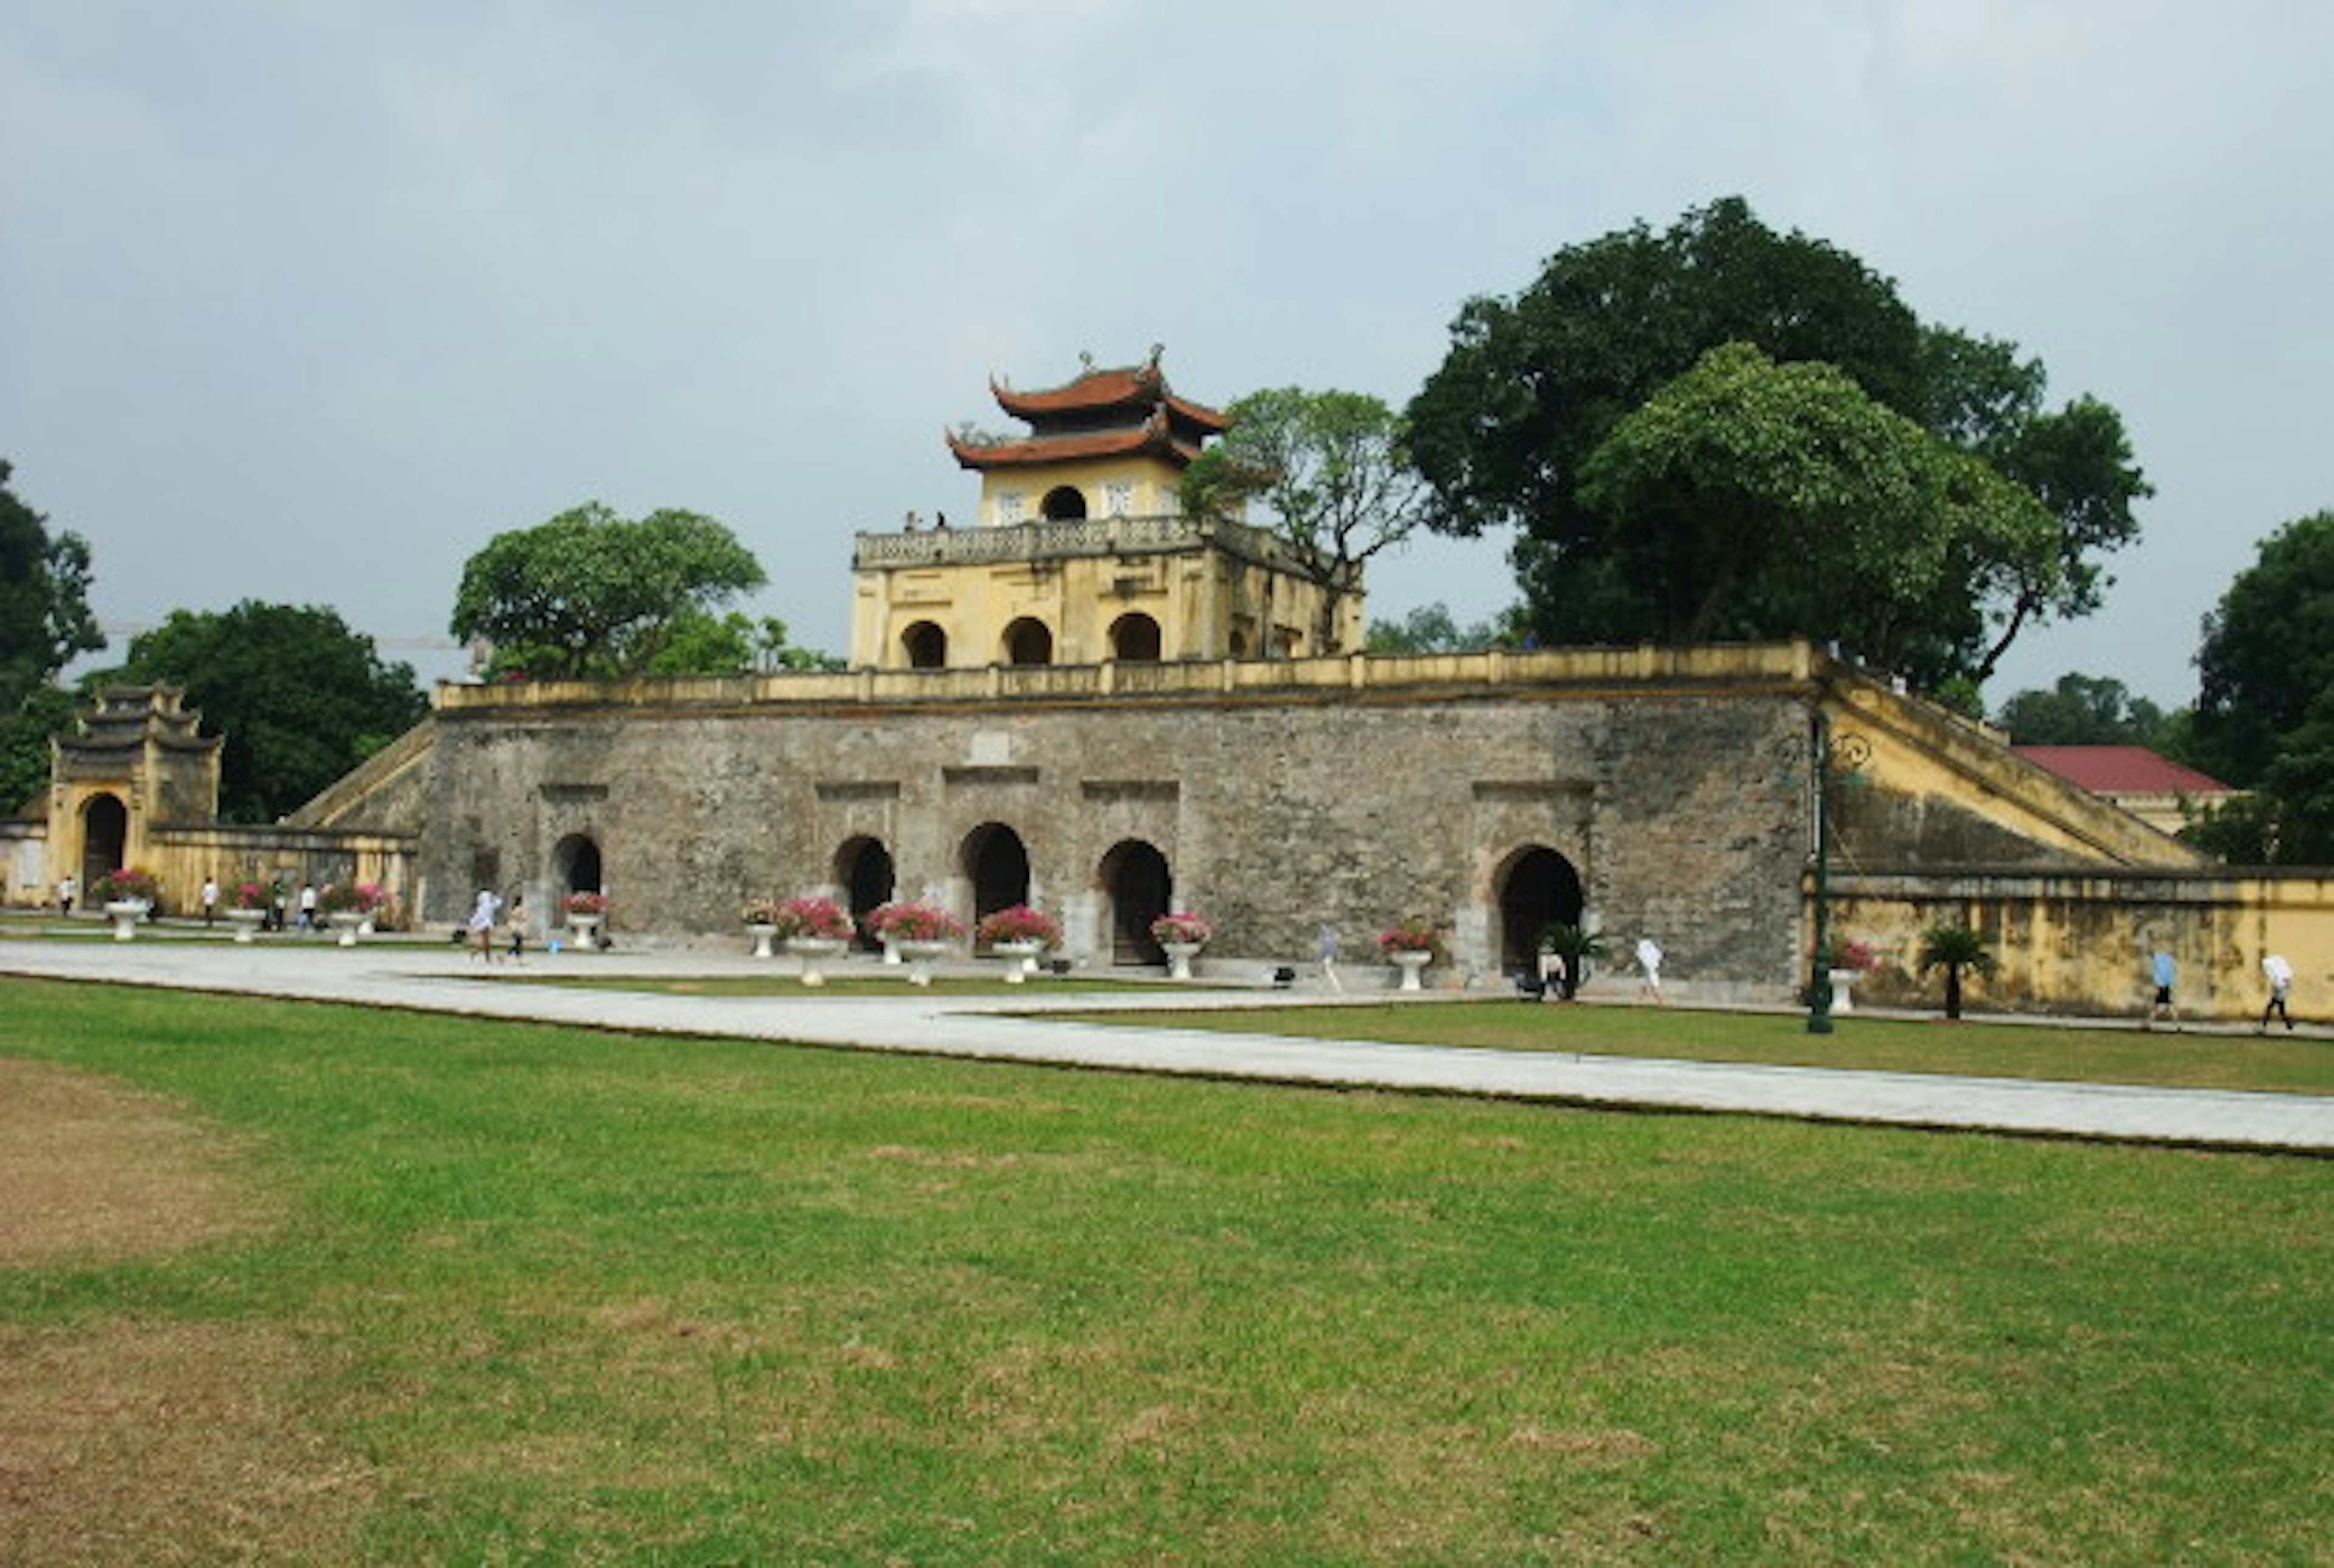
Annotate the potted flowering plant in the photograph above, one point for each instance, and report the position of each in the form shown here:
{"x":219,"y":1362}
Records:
{"x":1183,"y":927}
{"x":1182,"y":936}
{"x":130,"y":885}
{"x":1844,"y":961}
{"x":1017,"y":934}
{"x":349,"y":907}
{"x":247,"y":909}
{"x":917,"y":932}
{"x":814,"y":930}
{"x":128,"y":895}
{"x":914,"y":922}
{"x":761,"y":918}
{"x":351,"y":898}
{"x":1410,"y":943}
{"x":586,"y":908}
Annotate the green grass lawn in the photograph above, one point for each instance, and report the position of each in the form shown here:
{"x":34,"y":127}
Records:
{"x":563,"y":1295}
{"x":2289,"y":1064}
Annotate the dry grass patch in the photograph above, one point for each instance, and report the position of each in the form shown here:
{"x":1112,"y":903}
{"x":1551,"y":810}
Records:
{"x":166,"y":1443}
{"x":95,"y":1172}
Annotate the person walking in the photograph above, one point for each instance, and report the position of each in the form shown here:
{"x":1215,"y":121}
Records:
{"x":515,"y":924}
{"x":2163,"y":971}
{"x":210,"y":899}
{"x":1649,"y":966}
{"x":67,"y":889}
{"x":484,"y":914}
{"x":2280,"y":985}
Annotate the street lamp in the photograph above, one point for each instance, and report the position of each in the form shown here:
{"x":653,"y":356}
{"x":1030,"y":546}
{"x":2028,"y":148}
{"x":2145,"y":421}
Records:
{"x":1834,"y":756}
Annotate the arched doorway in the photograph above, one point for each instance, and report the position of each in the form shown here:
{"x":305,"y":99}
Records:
{"x":926,"y":646}
{"x":1137,"y":884}
{"x":863,"y":868}
{"x":1062,"y":503}
{"x":996,"y":865}
{"x":1134,"y":636}
{"x":574,"y":867}
{"x":1028,"y":641}
{"x":104,"y":833}
{"x":1537,"y":888}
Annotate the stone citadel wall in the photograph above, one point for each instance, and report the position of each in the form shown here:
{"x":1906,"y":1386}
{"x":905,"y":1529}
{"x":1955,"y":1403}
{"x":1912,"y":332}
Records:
{"x":1679,"y":798}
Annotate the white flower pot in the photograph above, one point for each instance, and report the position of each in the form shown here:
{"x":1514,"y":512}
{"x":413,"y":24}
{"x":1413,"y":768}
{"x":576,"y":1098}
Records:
{"x":1020,"y":958}
{"x":247,"y":923}
{"x":764,"y":934}
{"x":919,"y":955}
{"x":125,"y":914}
{"x":1179,"y":958}
{"x":347,"y":922}
{"x":815,"y":952}
{"x":587,"y":931}
{"x":1842,"y":980}
{"x":1410,"y":962}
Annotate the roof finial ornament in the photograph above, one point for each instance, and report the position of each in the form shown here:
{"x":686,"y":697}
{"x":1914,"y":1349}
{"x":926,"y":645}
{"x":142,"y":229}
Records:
{"x":1156,"y":349}
{"x":1085,"y":360}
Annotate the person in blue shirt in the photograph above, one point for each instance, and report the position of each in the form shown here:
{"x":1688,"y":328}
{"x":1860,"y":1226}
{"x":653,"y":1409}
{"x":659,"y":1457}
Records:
{"x":2163,"y":970}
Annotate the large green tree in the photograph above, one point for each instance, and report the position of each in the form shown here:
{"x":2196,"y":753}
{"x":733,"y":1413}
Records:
{"x":2264,"y":716}
{"x":1532,"y":386}
{"x":45,"y":614}
{"x":1335,"y":471}
{"x":593,"y":595}
{"x":45,"y":622}
{"x":1748,"y":496}
{"x":299,"y":697}
{"x":2268,"y":652}
{"x":2083,"y":710}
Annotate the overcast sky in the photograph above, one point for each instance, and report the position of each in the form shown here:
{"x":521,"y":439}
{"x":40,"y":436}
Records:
{"x":305,"y":302}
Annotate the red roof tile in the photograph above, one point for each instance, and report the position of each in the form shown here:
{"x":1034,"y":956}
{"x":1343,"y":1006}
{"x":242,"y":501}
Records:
{"x":2121,"y":770}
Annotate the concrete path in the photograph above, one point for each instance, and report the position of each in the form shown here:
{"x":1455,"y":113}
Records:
{"x":435,"y":978}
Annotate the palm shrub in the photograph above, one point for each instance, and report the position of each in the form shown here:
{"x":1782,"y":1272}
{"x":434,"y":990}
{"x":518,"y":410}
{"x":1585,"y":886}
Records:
{"x":1575,"y":945}
{"x":1956,"y":948}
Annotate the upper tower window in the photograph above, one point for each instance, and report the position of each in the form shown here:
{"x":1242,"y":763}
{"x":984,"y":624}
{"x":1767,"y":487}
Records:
{"x":1064,"y":502}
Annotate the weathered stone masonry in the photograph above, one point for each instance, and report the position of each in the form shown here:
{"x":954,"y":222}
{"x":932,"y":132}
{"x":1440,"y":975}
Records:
{"x":1341,"y":793}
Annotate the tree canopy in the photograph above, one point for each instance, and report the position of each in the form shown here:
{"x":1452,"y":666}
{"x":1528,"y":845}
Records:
{"x":593,"y":595}
{"x":1433,"y":628}
{"x":1335,"y":471}
{"x":2265,"y":716}
{"x":2083,"y":710}
{"x":299,"y":697}
{"x":1506,"y":430}
{"x":45,"y":614}
{"x":1749,"y":497}
{"x":45,"y":622}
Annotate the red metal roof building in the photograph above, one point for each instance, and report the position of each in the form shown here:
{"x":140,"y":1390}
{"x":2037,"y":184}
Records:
{"x":2151,"y":786}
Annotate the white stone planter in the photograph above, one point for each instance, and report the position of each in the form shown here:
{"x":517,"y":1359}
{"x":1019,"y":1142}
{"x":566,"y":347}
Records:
{"x":1020,"y":959}
{"x":764,"y":934}
{"x":348,"y":923}
{"x":815,"y":952}
{"x":247,"y":923}
{"x":586,"y":929}
{"x":919,"y":956}
{"x":1412,"y":963}
{"x":125,"y":914}
{"x":1179,"y":958}
{"x":1842,"y":981}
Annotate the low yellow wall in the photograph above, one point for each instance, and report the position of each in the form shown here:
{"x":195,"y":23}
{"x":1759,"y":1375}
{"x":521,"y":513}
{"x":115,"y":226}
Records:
{"x":2081,"y":943}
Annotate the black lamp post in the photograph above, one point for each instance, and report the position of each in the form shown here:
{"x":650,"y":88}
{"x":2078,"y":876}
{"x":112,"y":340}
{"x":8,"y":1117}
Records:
{"x":1831,"y":755}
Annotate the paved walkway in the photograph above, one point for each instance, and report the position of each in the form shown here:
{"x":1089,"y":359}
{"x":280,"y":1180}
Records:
{"x":435,"y":978}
